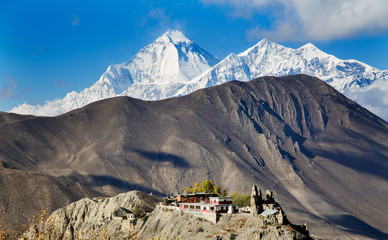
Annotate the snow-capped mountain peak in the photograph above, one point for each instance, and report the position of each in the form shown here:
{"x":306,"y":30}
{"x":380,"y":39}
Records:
{"x":310,"y":51}
{"x":351,"y":77}
{"x":172,"y":58}
{"x":175,"y":37}
{"x":309,"y":46}
{"x":157,"y":71}
{"x":174,"y":65}
{"x":261,"y":46}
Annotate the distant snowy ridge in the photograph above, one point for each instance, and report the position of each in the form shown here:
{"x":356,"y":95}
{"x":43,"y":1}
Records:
{"x":157,"y":71}
{"x":360,"y":82}
{"x":268,"y":58}
{"x":174,"y":66}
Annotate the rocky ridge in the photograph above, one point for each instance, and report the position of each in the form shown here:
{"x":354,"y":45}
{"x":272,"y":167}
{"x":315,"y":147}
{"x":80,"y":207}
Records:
{"x":167,"y":223}
{"x":96,"y":218}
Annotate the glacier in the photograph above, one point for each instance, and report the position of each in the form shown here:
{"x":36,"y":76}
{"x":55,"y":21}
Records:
{"x":174,"y":66}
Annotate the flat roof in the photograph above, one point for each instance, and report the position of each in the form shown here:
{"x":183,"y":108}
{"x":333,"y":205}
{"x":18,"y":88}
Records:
{"x":268,"y":212}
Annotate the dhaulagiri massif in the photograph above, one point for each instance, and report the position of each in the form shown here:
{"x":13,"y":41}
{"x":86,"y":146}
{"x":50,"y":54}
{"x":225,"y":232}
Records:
{"x":174,"y":66}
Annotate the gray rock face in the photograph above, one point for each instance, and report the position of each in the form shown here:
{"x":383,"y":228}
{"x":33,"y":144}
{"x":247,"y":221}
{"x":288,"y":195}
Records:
{"x":256,"y":201}
{"x":269,"y":196}
{"x":259,"y":205}
{"x":165,"y":223}
{"x":95,"y":217}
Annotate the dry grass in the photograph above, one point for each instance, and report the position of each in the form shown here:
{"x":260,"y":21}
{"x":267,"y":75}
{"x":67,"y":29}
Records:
{"x":33,"y":222}
{"x":228,"y":230}
{"x":241,"y":222}
{"x":289,"y":228}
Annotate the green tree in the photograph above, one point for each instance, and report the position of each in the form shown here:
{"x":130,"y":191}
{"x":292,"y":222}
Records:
{"x":217,"y":189}
{"x":137,"y":211}
{"x":224,"y":193}
{"x":243,"y":200}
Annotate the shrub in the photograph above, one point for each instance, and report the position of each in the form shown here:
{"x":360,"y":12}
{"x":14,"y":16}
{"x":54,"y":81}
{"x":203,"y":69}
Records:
{"x":243,"y":200}
{"x":138,"y":212}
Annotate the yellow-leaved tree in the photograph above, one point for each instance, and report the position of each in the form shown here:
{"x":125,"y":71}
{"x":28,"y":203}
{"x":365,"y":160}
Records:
{"x":207,"y":186}
{"x":196,"y":187}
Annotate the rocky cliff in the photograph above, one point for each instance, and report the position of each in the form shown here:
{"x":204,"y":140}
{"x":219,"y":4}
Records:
{"x":167,"y":223}
{"x":94,"y":218}
{"x":98,"y":219}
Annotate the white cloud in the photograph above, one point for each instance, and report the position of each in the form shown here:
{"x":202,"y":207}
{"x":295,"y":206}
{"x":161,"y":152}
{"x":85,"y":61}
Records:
{"x":48,"y":109}
{"x":373,"y":97}
{"x":318,"y":20}
{"x":328,"y":19}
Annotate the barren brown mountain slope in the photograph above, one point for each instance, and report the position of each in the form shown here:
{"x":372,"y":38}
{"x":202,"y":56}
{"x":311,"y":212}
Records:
{"x":323,"y":155}
{"x":24,"y":195}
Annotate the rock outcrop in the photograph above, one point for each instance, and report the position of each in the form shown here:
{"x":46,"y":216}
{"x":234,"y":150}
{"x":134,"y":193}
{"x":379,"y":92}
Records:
{"x":103,"y":218}
{"x":94,"y":218}
{"x":259,"y":206}
{"x":256,"y":200}
{"x":167,"y":223}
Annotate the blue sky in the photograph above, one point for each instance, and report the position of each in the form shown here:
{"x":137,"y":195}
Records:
{"x":49,"y":48}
